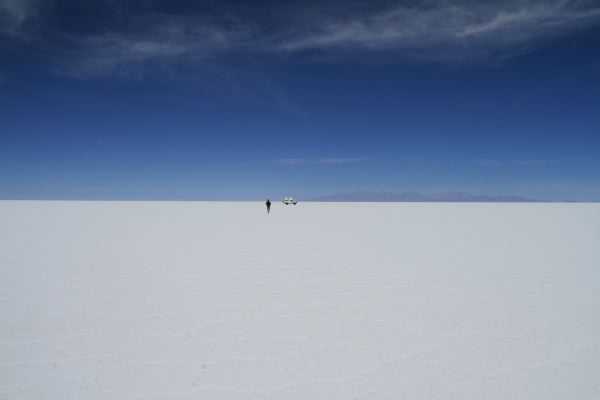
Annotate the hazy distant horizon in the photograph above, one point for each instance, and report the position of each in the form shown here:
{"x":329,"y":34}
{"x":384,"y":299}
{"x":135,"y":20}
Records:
{"x":355,"y":196}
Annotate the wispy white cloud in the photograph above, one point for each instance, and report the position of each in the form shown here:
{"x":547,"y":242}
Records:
{"x":321,"y":161}
{"x":147,"y":43}
{"x":446,"y":31}
{"x":529,"y":162}
{"x":159,"y":41}
{"x":14,"y":13}
{"x":337,"y":160}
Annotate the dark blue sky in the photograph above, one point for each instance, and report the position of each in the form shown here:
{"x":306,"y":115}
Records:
{"x":233,"y":100}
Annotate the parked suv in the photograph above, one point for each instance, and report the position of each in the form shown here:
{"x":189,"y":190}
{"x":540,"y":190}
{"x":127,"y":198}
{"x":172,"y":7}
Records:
{"x":289,"y":200}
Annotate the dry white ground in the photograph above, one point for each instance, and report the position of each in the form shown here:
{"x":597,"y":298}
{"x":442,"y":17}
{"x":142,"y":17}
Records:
{"x":176,"y":300}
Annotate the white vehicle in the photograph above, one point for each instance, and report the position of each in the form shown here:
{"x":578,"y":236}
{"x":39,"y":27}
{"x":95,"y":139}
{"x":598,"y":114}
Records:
{"x":289,"y":200}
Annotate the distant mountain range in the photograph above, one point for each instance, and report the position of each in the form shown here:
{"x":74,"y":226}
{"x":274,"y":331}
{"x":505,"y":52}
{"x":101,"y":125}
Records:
{"x":452,"y":196}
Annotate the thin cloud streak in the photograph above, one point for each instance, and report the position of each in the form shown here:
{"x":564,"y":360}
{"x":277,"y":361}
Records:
{"x":160,"y":42}
{"x":320,"y":161}
{"x":334,"y":160}
{"x":531,"y":162}
{"x":14,"y":13}
{"x":458,"y":32}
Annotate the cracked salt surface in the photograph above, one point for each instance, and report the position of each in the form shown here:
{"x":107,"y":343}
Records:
{"x":169,"y":300}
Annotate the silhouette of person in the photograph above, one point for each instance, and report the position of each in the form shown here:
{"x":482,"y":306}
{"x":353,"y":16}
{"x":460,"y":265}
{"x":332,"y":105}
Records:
{"x":268,"y":203}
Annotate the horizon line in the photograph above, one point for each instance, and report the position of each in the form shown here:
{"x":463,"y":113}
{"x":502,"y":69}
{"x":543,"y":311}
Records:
{"x":526,"y":201}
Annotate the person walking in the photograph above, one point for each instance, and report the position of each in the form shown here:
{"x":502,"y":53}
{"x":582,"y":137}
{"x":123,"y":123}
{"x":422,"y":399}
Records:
{"x":268,"y":203}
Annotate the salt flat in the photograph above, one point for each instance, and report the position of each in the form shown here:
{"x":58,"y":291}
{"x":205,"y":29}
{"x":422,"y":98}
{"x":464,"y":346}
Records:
{"x":203,"y":300}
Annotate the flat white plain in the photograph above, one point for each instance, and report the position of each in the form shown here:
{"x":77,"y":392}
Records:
{"x":209,"y":300}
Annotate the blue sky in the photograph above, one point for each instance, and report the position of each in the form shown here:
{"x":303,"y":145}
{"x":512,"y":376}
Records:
{"x":242,"y":100}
